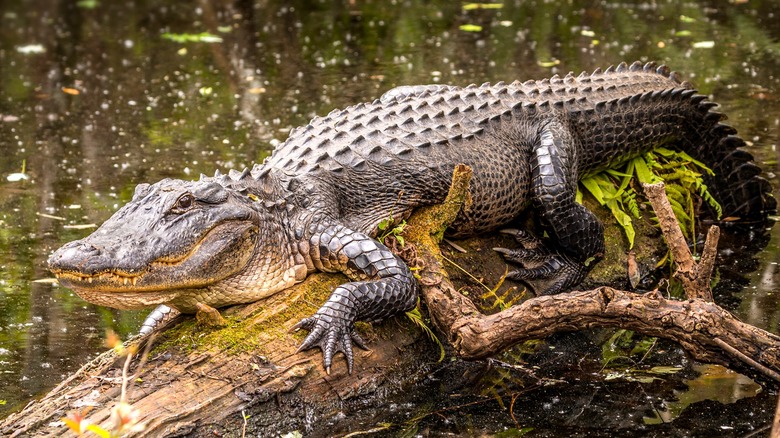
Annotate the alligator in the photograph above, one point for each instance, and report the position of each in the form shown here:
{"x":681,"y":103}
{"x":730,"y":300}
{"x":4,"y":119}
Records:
{"x":315,"y":204}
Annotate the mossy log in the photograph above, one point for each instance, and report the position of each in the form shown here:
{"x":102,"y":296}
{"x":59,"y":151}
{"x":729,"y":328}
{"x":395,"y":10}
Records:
{"x":204,"y":381}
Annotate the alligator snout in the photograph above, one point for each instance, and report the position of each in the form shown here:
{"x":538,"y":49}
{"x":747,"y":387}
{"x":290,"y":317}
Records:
{"x":74,"y":256}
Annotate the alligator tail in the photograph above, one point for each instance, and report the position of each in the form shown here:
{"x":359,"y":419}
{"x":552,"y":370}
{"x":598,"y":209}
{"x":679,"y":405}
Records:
{"x":737,"y":185}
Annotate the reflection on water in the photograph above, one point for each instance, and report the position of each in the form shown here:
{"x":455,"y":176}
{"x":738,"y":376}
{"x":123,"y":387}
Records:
{"x":93,"y":101}
{"x":713,"y":383}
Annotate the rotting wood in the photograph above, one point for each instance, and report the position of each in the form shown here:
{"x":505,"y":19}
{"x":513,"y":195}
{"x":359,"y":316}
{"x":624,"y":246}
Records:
{"x":202,"y":378}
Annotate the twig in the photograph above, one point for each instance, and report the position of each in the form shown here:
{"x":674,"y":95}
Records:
{"x":776,"y":423}
{"x":695,"y":278}
{"x":747,"y":359}
{"x":707,"y":261}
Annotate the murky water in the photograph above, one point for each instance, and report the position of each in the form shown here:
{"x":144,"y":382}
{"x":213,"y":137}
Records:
{"x":95,"y":98}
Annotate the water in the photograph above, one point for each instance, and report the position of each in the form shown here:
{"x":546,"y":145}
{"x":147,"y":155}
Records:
{"x":94,"y":99}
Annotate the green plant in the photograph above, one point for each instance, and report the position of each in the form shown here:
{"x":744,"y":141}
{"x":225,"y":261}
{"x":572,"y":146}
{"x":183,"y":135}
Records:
{"x":417,"y":318}
{"x":681,"y":174}
{"x":387,"y":229}
{"x":203,"y":37}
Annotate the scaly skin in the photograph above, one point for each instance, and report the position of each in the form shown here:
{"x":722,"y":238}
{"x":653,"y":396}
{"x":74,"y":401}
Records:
{"x":316,"y":202}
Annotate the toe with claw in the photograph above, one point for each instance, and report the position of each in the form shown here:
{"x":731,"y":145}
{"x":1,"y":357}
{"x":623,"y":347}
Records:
{"x":547,"y":270}
{"x":331,"y":335}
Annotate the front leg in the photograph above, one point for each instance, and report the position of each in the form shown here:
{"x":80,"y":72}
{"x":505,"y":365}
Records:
{"x":385,"y":286}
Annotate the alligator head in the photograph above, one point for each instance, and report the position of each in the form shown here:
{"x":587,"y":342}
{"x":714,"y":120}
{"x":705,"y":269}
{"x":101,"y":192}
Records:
{"x":178,"y":243}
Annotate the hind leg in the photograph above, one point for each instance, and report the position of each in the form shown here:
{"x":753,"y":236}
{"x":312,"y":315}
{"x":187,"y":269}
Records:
{"x":576,"y":235}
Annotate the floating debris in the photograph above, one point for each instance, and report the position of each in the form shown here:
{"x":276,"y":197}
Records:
{"x":31,"y":49}
{"x":51,"y":216}
{"x":46,"y":281}
{"x":88,"y":4}
{"x":18,"y":176}
{"x":548,"y":64}
{"x":79,"y":226}
{"x":470,"y":27}
{"x":704,"y":44}
{"x":472,"y":6}
{"x":203,"y":37}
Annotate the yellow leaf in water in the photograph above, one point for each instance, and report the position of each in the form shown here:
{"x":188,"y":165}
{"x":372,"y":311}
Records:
{"x":71,"y":91}
{"x":472,"y":6}
{"x":547,"y":64}
{"x":470,"y":27}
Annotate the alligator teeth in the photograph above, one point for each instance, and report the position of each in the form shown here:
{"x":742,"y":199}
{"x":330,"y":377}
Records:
{"x":90,"y":279}
{"x":126,"y":280}
{"x":134,"y":280}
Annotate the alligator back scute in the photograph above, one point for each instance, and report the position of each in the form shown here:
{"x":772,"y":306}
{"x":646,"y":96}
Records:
{"x":615,"y":114}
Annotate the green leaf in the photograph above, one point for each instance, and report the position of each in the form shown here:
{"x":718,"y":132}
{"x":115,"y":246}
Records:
{"x":593,"y":187}
{"x":624,"y":220}
{"x":665,"y":370}
{"x":548,"y":64}
{"x":698,"y":163}
{"x":87,"y":4}
{"x":417,"y":318}
{"x":643,"y":172}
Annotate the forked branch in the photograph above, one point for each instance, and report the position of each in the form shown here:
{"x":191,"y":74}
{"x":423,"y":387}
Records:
{"x":708,"y":332}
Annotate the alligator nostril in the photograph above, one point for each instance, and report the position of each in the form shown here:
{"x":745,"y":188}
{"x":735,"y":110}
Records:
{"x":90,"y":248}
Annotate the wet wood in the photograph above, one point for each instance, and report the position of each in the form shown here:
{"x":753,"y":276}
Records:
{"x":695,"y":277}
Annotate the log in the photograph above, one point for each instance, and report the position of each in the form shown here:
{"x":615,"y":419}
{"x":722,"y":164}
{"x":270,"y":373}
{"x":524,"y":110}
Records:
{"x":200,"y":378}
{"x":248,"y":375}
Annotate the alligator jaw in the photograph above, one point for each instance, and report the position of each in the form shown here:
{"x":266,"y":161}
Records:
{"x":163,"y":280}
{"x":118,"y":280}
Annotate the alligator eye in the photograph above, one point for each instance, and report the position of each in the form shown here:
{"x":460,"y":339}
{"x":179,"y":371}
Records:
{"x":184,"y":203}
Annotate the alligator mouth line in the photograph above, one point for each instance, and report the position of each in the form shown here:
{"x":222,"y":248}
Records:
{"x":115,"y":276}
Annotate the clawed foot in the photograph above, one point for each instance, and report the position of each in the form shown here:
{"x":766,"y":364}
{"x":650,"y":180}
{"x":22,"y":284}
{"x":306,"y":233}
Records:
{"x":549,"y":271}
{"x":331,"y":335}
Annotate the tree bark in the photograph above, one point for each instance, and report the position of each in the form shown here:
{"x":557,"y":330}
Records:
{"x":695,"y":277}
